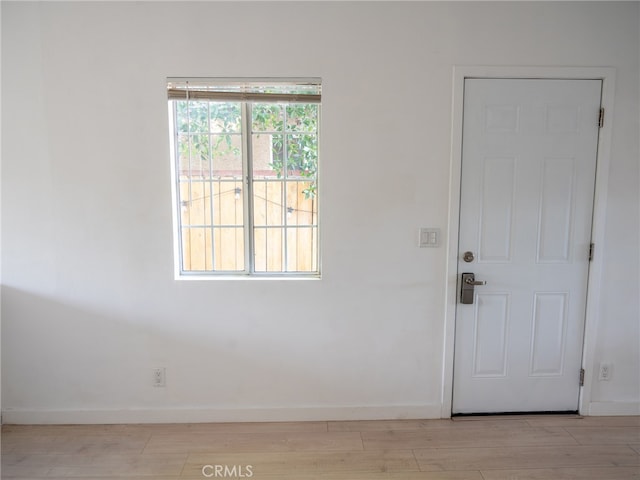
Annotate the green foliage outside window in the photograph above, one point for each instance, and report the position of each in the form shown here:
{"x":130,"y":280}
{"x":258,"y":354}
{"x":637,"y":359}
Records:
{"x":293,"y":129}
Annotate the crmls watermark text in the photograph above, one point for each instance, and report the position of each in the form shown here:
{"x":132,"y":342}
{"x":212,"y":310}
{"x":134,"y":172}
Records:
{"x":226,"y":471}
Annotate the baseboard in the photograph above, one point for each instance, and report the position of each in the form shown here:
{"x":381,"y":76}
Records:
{"x":614,"y":408}
{"x":214,"y":415}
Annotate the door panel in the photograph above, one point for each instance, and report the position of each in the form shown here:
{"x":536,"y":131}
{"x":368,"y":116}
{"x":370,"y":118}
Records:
{"x":556,"y":210}
{"x":496,"y":209}
{"x":547,"y":334}
{"x":491,"y":319}
{"x":528,"y":175}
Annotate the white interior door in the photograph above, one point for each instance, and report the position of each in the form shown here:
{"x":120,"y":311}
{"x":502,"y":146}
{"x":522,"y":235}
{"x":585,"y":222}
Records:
{"x":528,"y":174}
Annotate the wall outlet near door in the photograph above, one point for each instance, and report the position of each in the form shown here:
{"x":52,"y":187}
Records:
{"x":159,"y":377}
{"x":605,"y":372}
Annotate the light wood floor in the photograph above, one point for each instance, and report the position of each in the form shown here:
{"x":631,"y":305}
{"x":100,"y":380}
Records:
{"x":482,"y":448}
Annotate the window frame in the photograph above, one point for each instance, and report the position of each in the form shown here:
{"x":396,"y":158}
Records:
{"x":248,"y":181}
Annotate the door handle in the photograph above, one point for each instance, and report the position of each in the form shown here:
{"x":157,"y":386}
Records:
{"x":469,"y":283}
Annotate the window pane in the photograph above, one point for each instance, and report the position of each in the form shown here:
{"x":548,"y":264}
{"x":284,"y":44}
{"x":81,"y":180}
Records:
{"x":192,"y":116}
{"x":210,"y":168}
{"x":228,"y":203}
{"x":301,"y":207}
{"x":302,"y":155}
{"x":195,"y":203}
{"x":301,"y":249}
{"x":225,"y":117}
{"x":227,"y":155}
{"x":196,"y":249}
{"x":302,"y":117}
{"x":193,"y":155}
{"x":203,"y":203}
{"x":267,"y":203}
{"x":268,"y":249}
{"x":229,"y":248}
{"x":267,"y":155}
{"x":267,"y":117}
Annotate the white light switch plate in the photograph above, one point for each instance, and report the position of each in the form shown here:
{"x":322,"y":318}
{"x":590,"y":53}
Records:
{"x":429,"y":237}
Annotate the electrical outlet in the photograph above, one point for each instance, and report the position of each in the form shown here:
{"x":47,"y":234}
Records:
{"x":605,"y":372}
{"x":159,"y":379}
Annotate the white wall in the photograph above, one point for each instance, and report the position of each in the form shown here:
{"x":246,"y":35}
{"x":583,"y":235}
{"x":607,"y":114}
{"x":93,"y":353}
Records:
{"x":89,"y":303}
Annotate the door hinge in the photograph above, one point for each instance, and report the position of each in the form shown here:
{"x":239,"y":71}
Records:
{"x":601,"y":118}
{"x":592,"y":247}
{"x":582,"y":377}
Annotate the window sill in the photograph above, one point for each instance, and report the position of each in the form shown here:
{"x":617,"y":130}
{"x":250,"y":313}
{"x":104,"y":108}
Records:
{"x":262,"y":277}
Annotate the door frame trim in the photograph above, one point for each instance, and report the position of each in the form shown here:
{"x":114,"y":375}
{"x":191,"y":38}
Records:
{"x":460,"y":73}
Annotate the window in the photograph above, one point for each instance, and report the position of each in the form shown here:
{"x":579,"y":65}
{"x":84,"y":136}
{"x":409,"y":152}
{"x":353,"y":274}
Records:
{"x":245,"y":164}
